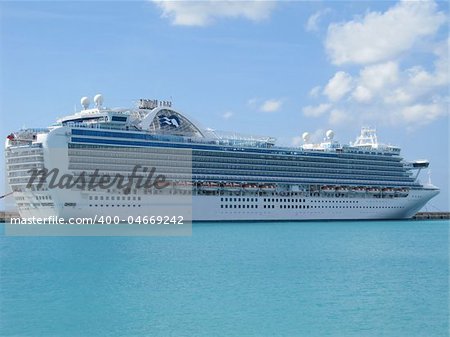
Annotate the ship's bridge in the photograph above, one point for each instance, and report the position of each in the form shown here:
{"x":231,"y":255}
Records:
{"x":97,"y":115}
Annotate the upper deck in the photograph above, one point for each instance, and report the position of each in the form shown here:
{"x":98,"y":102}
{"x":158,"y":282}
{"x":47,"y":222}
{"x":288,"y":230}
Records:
{"x":158,"y":121}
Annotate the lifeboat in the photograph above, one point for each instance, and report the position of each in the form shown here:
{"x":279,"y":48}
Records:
{"x":184,"y":185}
{"x":210,"y":186}
{"x":234,"y":187}
{"x":388,"y":191}
{"x":359,"y":190}
{"x":402,"y":192}
{"x":342,"y":189}
{"x":328,"y":189}
{"x":250,"y":187}
{"x":268,"y":187}
{"x":373,"y":190}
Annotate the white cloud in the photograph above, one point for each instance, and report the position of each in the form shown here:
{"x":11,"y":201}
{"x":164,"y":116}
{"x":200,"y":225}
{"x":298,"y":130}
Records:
{"x":202,"y":13}
{"x":315,"y":92}
{"x":379,"y":75}
{"x":424,"y":113}
{"x":382,"y":36}
{"x":338,"y":86}
{"x":375,"y":78}
{"x":338,"y":117}
{"x":227,"y":115}
{"x":381,"y":87}
{"x":271,"y":105}
{"x":386,"y":94}
{"x":362,"y":94}
{"x":424,"y":80}
{"x":316,"y":111}
{"x":398,"y":96}
{"x":313,"y":21}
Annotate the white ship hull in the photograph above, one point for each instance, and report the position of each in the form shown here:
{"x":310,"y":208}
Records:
{"x":212,"y":207}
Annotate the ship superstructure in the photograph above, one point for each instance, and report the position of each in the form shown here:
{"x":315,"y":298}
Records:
{"x":229,"y":176}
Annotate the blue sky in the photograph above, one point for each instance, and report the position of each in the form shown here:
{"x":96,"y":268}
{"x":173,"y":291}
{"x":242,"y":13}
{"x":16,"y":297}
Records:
{"x":259,"y":67}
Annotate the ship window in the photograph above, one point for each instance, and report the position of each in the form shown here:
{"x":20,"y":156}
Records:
{"x":119,"y":119}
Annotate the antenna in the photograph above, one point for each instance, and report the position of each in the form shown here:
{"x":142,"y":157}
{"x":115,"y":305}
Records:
{"x":85,"y":102}
{"x":98,"y":100}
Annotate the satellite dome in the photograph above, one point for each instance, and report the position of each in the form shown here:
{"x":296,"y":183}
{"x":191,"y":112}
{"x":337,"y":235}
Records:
{"x":306,"y":136}
{"x":85,"y":102}
{"x":98,"y":100}
{"x":330,"y":134}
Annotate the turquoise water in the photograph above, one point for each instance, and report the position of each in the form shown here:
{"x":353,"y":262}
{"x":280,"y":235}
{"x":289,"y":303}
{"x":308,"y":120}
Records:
{"x":234,"y":279}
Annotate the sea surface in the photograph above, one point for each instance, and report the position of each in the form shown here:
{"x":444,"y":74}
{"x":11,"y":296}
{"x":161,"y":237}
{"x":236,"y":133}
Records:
{"x":232,"y":279}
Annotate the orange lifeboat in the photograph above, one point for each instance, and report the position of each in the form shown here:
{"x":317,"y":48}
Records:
{"x":359,"y":190}
{"x":328,"y":189}
{"x":373,"y":191}
{"x":234,"y":187}
{"x":267,"y":187}
{"x":251,"y":187}
{"x":184,"y":185}
{"x":388,"y":191}
{"x":342,"y":189}
{"x":210,"y":186}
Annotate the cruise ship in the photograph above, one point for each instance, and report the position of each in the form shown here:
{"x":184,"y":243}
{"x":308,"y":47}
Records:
{"x":225,"y":176}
